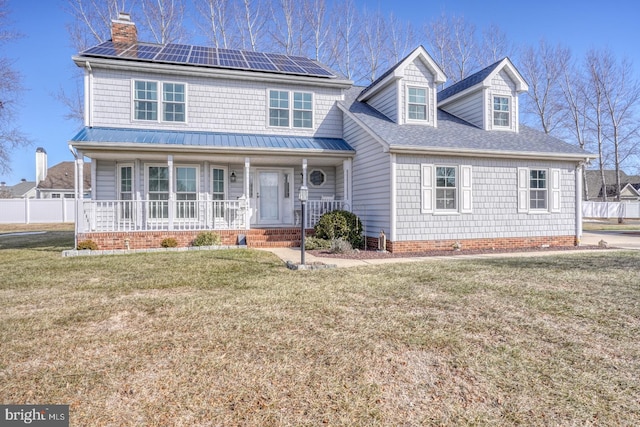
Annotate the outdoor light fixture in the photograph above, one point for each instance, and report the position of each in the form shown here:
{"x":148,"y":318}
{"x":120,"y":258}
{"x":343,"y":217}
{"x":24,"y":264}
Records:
{"x":232,"y":178}
{"x":303,"y":196}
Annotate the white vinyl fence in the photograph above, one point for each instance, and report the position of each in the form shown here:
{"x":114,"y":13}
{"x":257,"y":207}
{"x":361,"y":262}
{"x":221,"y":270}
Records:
{"x":33,"y":211}
{"x":627,"y":210}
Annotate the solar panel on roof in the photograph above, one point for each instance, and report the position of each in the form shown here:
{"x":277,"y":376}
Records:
{"x":141,"y":51}
{"x":174,"y":53}
{"x":232,"y":58}
{"x":212,"y":57}
{"x":285,"y":64}
{"x":203,"y":55}
{"x":108,"y":49}
{"x":259,"y":61}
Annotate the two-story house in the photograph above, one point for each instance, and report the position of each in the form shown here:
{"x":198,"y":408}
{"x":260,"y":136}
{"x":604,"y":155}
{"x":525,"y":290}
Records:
{"x":187,"y":138}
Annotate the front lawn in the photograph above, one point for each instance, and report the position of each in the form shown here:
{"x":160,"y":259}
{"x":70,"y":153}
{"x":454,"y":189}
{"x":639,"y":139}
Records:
{"x":233,"y":338}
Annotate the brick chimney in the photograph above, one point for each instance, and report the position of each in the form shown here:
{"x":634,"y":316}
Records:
{"x":123,"y":30}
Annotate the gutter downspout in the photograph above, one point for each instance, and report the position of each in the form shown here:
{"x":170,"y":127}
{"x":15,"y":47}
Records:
{"x":88,"y":92}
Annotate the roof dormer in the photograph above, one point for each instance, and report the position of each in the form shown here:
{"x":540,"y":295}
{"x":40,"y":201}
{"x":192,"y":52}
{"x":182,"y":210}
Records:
{"x":488,"y":98}
{"x":407,"y":92}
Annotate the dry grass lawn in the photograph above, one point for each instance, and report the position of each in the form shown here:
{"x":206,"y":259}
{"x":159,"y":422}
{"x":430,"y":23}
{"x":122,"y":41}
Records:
{"x":232,"y":338}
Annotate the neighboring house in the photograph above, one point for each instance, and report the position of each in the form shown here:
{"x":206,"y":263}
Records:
{"x":187,"y":138}
{"x":59,"y":182}
{"x":23,"y":190}
{"x":630,"y":186}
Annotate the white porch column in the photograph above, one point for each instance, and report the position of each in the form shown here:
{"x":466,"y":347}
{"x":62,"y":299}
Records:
{"x":171,"y":196}
{"x":579,"y":172}
{"x":247,"y":198}
{"x":94,"y":176}
{"x":80,"y":175}
{"x":138,"y":177}
{"x":346,"y":171}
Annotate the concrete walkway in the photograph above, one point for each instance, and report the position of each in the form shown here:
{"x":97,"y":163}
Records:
{"x":627,"y":241}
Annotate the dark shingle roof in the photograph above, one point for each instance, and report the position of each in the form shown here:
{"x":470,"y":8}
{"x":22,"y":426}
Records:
{"x":60,"y":177}
{"x":455,"y":133}
{"x":20,"y":189}
{"x":594,"y":182}
{"x":210,"y":139}
{"x":468,"y":82}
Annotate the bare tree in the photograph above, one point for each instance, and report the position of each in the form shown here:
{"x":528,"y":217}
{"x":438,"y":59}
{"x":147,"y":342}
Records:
{"x":290,"y":32}
{"x":401,"y":38}
{"x":345,"y":46}
{"x":216,"y":17}
{"x":165,"y":20}
{"x":572,"y":84}
{"x":91,"y":23}
{"x":543,"y":67}
{"x":315,"y":15}
{"x":494,"y":46}
{"x":453,"y":41}
{"x":251,"y":20}
{"x":621,"y":92}
{"x":10,"y":89}
{"x":372,"y":40}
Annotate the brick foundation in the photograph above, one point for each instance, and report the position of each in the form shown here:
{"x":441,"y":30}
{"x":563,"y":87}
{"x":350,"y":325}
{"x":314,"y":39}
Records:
{"x":476,"y":244}
{"x":255,"y":238}
{"x":290,"y":237}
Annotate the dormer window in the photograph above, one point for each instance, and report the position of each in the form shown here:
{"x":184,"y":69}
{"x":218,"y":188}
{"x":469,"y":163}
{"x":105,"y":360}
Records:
{"x":417,"y":103}
{"x":501,"y":111}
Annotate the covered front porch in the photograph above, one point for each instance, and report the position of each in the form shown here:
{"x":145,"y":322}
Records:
{"x":181,"y":190}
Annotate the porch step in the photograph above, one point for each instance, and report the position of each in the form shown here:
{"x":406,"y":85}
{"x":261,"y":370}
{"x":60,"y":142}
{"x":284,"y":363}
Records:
{"x":274,"y":237}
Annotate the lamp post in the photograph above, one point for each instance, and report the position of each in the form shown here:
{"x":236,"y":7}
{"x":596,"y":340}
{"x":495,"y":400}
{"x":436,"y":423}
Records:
{"x":303,"y":196}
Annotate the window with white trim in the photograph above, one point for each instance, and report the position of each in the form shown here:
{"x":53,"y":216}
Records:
{"x":186,"y":191}
{"x":501,"y":111}
{"x":218,"y":190}
{"x":446,"y":194}
{"x":539,"y":190}
{"x":173,"y":105}
{"x":417,"y":103}
{"x":145,"y":100}
{"x":446,"y":189}
{"x":146,"y":104}
{"x":290,"y":109}
{"x":158,"y":184}
{"x":125,"y":189}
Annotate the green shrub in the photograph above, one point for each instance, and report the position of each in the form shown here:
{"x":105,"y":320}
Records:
{"x":314,"y":243}
{"x":87,"y":244}
{"x":340,"y":225}
{"x":169,"y":242}
{"x":207,"y":238}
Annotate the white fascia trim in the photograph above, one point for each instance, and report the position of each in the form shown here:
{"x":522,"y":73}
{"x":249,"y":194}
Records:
{"x":391,"y":78}
{"x":345,"y":110}
{"x":461,"y":152}
{"x":507,"y":65}
{"x":210,"y":72}
{"x":136,"y":147}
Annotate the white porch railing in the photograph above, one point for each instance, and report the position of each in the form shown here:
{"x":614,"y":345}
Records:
{"x":149,"y":215}
{"x":314,"y":209}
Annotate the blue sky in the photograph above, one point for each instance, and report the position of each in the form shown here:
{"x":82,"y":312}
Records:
{"x":43,"y":55}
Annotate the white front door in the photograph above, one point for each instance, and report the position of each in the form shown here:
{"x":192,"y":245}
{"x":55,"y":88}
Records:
{"x":271,"y":197}
{"x":268,"y":197}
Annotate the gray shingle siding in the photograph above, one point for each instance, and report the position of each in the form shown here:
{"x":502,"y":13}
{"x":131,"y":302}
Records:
{"x":495,"y":211}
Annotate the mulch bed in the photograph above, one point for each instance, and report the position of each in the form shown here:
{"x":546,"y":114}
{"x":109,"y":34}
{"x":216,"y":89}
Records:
{"x":372,"y":254}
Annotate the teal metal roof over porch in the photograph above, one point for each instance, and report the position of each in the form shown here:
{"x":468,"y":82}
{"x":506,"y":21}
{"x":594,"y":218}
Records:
{"x":232,"y":141}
